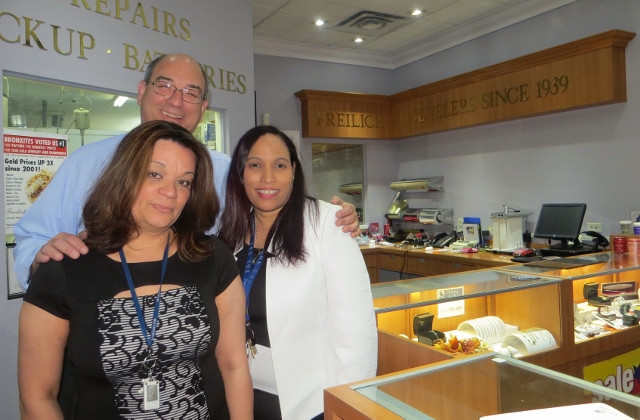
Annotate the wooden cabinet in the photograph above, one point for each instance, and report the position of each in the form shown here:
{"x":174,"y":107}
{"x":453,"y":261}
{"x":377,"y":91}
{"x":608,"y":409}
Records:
{"x":450,"y":267}
{"x":390,"y":261}
{"x":422,"y":266}
{"x":371,"y":261}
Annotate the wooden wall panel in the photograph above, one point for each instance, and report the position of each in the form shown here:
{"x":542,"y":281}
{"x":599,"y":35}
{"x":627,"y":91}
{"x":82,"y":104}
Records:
{"x":579,"y":74}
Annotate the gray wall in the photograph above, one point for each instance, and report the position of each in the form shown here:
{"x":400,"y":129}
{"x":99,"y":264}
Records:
{"x":220,"y":36}
{"x":578,"y":156}
{"x":276,"y":81}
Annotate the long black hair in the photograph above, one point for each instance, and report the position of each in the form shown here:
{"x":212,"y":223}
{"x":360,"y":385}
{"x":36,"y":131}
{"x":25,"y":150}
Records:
{"x":286,"y":236}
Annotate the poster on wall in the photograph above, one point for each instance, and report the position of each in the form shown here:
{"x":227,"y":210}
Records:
{"x":30,"y":160}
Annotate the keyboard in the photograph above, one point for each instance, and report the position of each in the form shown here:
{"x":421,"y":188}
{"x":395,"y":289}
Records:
{"x":526,"y":259}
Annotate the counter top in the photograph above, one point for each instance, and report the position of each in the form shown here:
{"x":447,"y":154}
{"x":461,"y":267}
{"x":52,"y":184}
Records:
{"x":438,"y":253}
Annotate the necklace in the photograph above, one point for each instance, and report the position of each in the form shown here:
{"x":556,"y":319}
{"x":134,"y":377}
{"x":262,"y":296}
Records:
{"x":256,"y":254}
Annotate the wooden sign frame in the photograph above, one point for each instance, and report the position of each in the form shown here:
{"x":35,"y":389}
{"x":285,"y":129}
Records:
{"x":580,"y":74}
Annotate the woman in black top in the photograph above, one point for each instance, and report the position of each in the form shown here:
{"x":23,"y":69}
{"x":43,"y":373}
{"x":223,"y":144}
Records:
{"x":152,"y":318}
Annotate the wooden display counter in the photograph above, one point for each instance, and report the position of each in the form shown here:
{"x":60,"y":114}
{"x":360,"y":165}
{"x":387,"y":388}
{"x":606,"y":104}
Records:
{"x":548,"y":302}
{"x":477,"y":386}
{"x":421,"y":263}
{"x":577,"y":354}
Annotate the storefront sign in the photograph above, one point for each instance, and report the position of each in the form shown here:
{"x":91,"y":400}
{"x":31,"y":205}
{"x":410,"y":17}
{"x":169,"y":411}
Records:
{"x":345,"y":115}
{"x":30,"y":161}
{"x":584,"y":73}
{"x":35,"y":32}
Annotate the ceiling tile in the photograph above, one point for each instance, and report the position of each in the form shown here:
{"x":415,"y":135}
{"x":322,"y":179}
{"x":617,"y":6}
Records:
{"x":308,"y":7}
{"x":464,"y":10}
{"x":333,"y":13}
{"x":274,"y":4}
{"x":444,"y":23}
{"x":300,"y":33}
{"x":381,"y":45}
{"x":273,"y":27}
{"x":291,"y":18}
{"x":415,"y":29}
{"x":329,"y":37}
{"x":260,"y":12}
{"x":267,"y":35}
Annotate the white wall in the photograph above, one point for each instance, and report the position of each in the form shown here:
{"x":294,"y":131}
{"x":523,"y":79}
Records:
{"x":220,"y":33}
{"x":587,"y":155}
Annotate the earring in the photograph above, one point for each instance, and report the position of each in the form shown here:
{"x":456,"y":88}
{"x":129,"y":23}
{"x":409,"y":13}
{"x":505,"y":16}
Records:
{"x":294,"y":177}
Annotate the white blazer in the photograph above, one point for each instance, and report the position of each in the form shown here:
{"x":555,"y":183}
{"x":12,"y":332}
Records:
{"x":320,"y":316}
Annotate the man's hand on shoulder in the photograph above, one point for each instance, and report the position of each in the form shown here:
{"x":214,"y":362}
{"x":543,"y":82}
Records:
{"x":347,"y":217}
{"x":60,"y":245}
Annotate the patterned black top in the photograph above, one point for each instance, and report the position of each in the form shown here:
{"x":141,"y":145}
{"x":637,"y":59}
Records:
{"x":105,"y":344}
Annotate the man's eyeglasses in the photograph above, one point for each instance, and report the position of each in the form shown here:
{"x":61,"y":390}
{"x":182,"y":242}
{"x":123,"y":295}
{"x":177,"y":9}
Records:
{"x":166,"y":89}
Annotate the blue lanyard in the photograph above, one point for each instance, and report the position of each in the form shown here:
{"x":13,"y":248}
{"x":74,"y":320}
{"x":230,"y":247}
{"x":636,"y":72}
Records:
{"x":148,"y":336}
{"x":251,"y":269}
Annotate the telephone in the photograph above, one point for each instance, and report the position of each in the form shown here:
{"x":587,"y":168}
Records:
{"x":599,"y":240}
{"x":443,"y":239}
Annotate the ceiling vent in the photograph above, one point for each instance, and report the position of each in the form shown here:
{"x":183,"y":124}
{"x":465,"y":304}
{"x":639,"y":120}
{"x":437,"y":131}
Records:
{"x":367,"y":22}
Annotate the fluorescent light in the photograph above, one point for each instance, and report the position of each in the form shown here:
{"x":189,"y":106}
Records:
{"x":319,"y":22}
{"x":358,"y":40}
{"x":416,"y":12}
{"x":120,"y":100}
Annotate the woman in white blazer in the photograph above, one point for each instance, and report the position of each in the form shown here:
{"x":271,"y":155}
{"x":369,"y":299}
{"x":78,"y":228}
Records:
{"x":310,"y":319}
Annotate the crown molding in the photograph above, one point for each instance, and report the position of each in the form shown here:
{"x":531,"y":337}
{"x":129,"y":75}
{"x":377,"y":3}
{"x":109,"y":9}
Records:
{"x":449,"y":39}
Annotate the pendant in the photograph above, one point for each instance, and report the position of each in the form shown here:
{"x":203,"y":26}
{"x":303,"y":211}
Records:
{"x":251,"y":348}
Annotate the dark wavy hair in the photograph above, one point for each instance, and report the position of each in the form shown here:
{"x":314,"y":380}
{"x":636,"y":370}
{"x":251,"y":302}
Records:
{"x":107,"y":211}
{"x":286,"y":236}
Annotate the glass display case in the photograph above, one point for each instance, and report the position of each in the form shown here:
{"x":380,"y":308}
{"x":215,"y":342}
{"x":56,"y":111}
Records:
{"x":491,"y":304}
{"x":604,"y":289}
{"x":582,"y":307}
{"x":484,"y":386}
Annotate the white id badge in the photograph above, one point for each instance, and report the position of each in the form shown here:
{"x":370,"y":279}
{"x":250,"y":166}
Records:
{"x":151,"y":394}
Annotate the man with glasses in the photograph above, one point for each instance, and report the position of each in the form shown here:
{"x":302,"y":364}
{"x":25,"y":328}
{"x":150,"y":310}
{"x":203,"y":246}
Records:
{"x":174,"y":89}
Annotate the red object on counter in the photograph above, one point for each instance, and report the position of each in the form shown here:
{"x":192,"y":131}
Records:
{"x":374,"y":228}
{"x":633,"y":246}
{"x":620,"y":244}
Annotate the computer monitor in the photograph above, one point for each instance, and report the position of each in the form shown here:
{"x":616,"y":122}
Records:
{"x":561,"y":222}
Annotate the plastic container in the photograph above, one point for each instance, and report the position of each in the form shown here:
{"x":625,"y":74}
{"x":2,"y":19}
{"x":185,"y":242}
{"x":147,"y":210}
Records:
{"x":633,"y":245}
{"x":620,"y":244}
{"x":625,"y":227}
{"x":636,"y":228}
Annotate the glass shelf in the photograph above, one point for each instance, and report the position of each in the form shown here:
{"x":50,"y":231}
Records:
{"x":476,"y":284}
{"x":580,"y":266}
{"x":487,"y":384}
